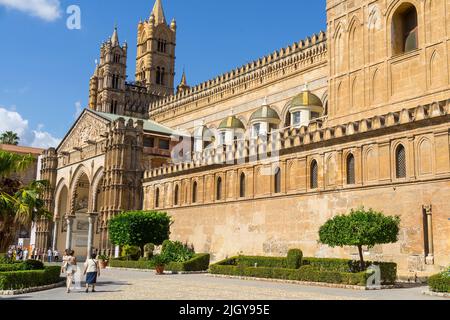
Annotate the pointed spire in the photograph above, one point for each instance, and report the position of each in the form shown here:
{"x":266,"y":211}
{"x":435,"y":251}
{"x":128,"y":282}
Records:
{"x":115,"y":37}
{"x":158,"y":13}
{"x":183,"y":78}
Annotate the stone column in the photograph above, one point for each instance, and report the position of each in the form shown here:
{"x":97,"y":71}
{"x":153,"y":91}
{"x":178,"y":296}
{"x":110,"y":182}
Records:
{"x":429,"y":213}
{"x":92,"y":217}
{"x":55,"y":234}
{"x":69,"y":221}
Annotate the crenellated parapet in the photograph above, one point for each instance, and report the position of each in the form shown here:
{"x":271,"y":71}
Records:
{"x":291,"y":139}
{"x":295,"y":58}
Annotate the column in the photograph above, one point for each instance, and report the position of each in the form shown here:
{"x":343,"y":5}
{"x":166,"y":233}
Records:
{"x":55,"y":234}
{"x":69,"y":221}
{"x":92,"y":217}
{"x":429,"y":215}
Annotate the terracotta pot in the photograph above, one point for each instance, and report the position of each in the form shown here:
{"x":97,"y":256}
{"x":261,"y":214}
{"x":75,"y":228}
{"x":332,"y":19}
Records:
{"x":103,"y":264}
{"x":160,"y":270}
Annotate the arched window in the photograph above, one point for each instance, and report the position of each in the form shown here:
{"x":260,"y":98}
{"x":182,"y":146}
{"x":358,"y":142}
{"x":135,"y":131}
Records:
{"x":176,"y":199}
{"x":405,"y":29}
{"x":400,"y":162}
{"x":277,"y":180}
{"x":157,"y":198}
{"x":158,"y":75}
{"x":194,"y":192}
{"x":351,"y":169}
{"x":314,"y":175}
{"x":242,"y":191}
{"x":219,"y":189}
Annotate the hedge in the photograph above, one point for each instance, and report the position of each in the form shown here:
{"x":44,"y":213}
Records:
{"x":22,"y":265}
{"x":200,"y":262}
{"x":388,"y":270}
{"x":14,"y":280}
{"x":305,"y":273}
{"x":439,"y":283}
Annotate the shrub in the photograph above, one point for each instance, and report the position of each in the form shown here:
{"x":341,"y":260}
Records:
{"x":440,"y":282}
{"x":10,"y":267}
{"x":305,"y":273}
{"x":269,"y":262}
{"x":28,"y":279}
{"x":294,"y":259}
{"x":200,"y":262}
{"x":360,"y":228}
{"x":176,"y":251}
{"x":138,"y":228}
{"x":149,"y":248}
{"x":131,"y":252}
{"x":32,"y":265}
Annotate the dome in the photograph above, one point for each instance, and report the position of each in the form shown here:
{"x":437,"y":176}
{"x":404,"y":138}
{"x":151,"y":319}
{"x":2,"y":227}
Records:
{"x":265,"y":113}
{"x":306,"y":99}
{"x":231,"y":123}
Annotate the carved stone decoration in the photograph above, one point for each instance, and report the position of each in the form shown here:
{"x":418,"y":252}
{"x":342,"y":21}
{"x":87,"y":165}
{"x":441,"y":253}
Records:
{"x":88,"y":129}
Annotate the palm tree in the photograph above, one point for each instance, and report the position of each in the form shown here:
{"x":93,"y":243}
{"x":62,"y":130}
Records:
{"x":19,"y":204}
{"x":10,"y":137}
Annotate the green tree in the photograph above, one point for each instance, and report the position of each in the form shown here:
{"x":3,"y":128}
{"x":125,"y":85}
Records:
{"x":19,"y":204}
{"x":9,"y":137}
{"x":137,"y":228}
{"x":360,"y":228}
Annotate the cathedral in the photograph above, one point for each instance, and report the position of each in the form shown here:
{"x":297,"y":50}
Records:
{"x":255,"y":160}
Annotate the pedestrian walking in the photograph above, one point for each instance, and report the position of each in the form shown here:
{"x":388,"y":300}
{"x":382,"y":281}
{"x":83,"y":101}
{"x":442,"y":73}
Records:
{"x":10,"y":253}
{"x":25,"y":254}
{"x":69,"y":267}
{"x":49,"y":255}
{"x":19,"y":254}
{"x":56,"y":255}
{"x":92,"y":272}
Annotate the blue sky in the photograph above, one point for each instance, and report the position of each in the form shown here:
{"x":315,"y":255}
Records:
{"x":45,"y":67}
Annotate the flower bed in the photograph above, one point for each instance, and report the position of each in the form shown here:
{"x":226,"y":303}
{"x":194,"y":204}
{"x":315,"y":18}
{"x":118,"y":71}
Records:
{"x":13,"y":280}
{"x":339,"y":271}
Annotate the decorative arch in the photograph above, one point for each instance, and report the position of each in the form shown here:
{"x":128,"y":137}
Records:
{"x":425,"y":156}
{"x":355,"y":43}
{"x":60,"y":187}
{"x":98,"y":177}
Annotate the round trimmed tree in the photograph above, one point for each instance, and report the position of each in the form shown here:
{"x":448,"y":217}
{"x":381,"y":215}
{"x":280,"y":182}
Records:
{"x":360,"y":228}
{"x":138,"y":228}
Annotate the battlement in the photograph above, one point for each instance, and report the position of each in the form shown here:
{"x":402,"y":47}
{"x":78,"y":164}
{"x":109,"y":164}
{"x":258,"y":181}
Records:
{"x":281,"y":63}
{"x":285,"y":140}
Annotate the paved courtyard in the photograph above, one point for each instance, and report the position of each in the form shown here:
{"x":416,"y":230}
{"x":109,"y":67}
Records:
{"x":135,"y":285}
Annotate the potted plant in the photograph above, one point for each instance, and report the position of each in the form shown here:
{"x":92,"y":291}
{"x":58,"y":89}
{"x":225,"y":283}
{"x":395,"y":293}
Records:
{"x":103,"y":261}
{"x":160,"y":262}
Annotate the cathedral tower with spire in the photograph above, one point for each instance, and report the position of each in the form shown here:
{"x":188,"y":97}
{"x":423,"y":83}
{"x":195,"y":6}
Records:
{"x":155,"y":62}
{"x":107,"y":85}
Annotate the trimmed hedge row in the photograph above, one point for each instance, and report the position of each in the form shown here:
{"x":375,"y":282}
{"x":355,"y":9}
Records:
{"x":200,"y":262}
{"x":22,"y":265}
{"x":14,"y":280}
{"x":439,"y":283}
{"x":305,"y":273}
{"x":388,"y":270}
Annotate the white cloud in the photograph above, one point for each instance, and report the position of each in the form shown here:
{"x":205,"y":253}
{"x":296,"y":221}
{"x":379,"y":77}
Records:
{"x":48,"y":10}
{"x":10,"y":120}
{"x":45,"y":140}
{"x":78,"y":109}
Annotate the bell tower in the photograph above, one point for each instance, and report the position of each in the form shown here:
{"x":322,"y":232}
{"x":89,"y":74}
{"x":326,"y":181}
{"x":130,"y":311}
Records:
{"x":155,"y":62}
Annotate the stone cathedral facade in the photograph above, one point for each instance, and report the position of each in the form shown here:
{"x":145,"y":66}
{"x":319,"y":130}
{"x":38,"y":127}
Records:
{"x":255,"y":160}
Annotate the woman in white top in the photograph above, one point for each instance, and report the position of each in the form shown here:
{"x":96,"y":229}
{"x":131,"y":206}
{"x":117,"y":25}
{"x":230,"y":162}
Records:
{"x":91,"y":271}
{"x":69,"y":267}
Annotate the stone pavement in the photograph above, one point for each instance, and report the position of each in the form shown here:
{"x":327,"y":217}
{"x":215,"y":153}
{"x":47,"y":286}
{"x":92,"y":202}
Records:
{"x":135,"y":285}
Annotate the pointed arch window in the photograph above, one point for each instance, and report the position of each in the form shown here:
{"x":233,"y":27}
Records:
{"x":160,"y":71}
{"x":242,"y":191}
{"x":194,"y":192}
{"x":351,"y":169}
{"x":219,"y":189}
{"x":176,"y":199}
{"x":405,"y":29}
{"x":400,"y":162}
{"x":314,"y":175}
{"x":277,"y":181}
{"x":157,"y":198}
